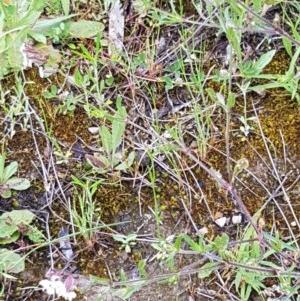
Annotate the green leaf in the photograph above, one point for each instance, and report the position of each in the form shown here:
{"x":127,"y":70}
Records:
{"x":231,"y":100}
{"x":106,"y":139}
{"x":18,"y":216}
{"x":9,"y":239}
{"x":11,"y":262}
{"x":221,"y":242}
{"x":66,"y":6}
{"x":238,"y":279}
{"x":141,"y":268}
{"x":35,"y":235}
{"x":84,"y":29}
{"x":264,"y":60}
{"x":192,"y":244}
{"x":127,"y":163}
{"x":10,"y":170}
{"x":18,"y":183}
{"x":287,"y":45}
{"x":124,"y":293}
{"x":43,"y":26}
{"x":14,"y":42}
{"x":207,"y":269}
{"x":118,"y":129}
{"x":121,"y":110}
{"x":119,"y":238}
{"x":2,"y":167}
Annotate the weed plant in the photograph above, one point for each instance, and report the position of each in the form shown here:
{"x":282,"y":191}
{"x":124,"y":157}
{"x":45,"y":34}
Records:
{"x":119,"y":93}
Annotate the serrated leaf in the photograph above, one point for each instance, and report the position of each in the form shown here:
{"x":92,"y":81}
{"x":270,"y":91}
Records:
{"x":221,"y":242}
{"x":85,"y":29}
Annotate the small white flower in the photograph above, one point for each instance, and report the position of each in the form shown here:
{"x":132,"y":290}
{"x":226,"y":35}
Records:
{"x":70,"y":296}
{"x":47,"y":286}
{"x":55,"y":286}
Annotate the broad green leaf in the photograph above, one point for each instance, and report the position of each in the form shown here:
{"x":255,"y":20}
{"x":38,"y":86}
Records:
{"x":65,"y":6}
{"x":5,"y":193}
{"x":38,"y":37}
{"x":11,"y":262}
{"x":18,"y":217}
{"x":212,"y":94}
{"x":18,"y":183}
{"x":264,"y":60}
{"x":10,"y":239}
{"x":7,"y":276}
{"x":84,"y":29}
{"x":106,"y":139}
{"x":43,"y":26}
{"x":119,"y":238}
{"x":118,"y":128}
{"x":7,"y":227}
{"x":14,"y":42}
{"x":10,"y":170}
{"x":29,"y":19}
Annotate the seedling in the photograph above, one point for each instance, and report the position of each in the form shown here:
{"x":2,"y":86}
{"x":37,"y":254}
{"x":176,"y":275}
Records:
{"x":7,"y":181}
{"x":111,"y":157}
{"x":127,"y":241}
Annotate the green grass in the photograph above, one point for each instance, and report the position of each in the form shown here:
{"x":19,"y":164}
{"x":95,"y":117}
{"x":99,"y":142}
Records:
{"x":190,"y":111}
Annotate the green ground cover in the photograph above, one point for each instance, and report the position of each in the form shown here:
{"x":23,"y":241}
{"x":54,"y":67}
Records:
{"x":149,"y":150}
